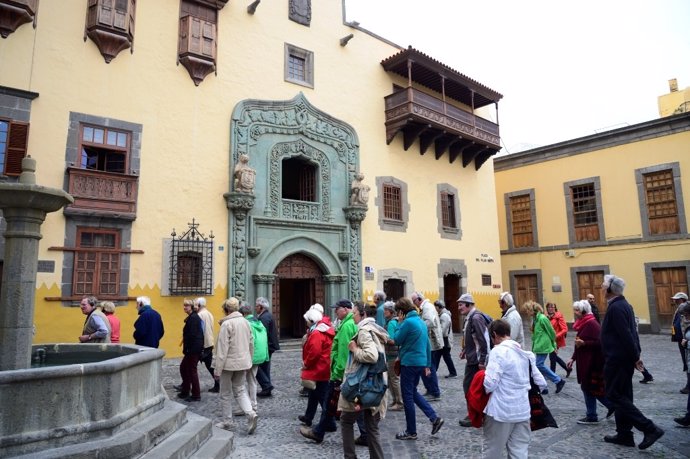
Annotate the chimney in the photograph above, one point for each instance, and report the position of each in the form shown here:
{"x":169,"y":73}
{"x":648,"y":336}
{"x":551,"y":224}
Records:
{"x":673,"y":85}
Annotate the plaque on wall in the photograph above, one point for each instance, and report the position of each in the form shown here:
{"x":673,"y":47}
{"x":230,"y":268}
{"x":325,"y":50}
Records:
{"x":46,"y":266}
{"x":300,"y":11}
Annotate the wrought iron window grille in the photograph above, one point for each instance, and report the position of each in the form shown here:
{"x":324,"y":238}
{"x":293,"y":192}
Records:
{"x":191,"y":262}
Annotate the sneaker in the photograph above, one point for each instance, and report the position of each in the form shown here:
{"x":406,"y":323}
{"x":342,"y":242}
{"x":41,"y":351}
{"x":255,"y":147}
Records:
{"x":651,"y":437}
{"x":545,"y":392}
{"x":646,"y":380}
{"x":684,"y":421}
{"x":251,"y":423}
{"x":451,"y":376}
{"x":610,"y":412}
{"x":238,"y":413}
{"x":465,"y":422}
{"x":309,"y":433}
{"x":264,"y":393}
{"x":405,"y":436}
{"x":361,"y":441}
{"x":619,"y":440}
{"x":303,"y":419}
{"x":214,"y":389}
{"x":559,"y":386}
{"x":587,"y":421}
{"x":436,"y":426}
{"x":432,"y":398}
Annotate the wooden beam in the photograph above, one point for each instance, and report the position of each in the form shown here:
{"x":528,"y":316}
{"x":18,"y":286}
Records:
{"x":469,"y":154}
{"x":442,"y":143}
{"x":426,"y":139}
{"x":483,"y":156}
{"x":410,"y":134}
{"x":457,"y":148}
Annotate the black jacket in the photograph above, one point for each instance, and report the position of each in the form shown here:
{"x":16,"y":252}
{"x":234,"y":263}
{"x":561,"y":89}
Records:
{"x":267,"y":319}
{"x":619,"y":339}
{"x":193,"y":335}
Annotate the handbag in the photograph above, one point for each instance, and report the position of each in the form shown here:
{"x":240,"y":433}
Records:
{"x":308,"y":384}
{"x":540,"y":415}
{"x":332,"y":409}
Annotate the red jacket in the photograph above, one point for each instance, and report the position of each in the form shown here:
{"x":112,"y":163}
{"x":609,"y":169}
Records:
{"x":477,"y":399}
{"x":560,"y":327}
{"x":316,"y":353}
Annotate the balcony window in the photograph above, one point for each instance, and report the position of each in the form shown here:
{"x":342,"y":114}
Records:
{"x":104,"y":149}
{"x":14,"y":13}
{"x":110,"y":25}
{"x":197,"y":44}
{"x":96,"y":263}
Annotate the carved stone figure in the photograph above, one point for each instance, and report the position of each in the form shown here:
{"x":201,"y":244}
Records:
{"x":244,"y":175}
{"x":359,"y":193}
{"x":300,"y":11}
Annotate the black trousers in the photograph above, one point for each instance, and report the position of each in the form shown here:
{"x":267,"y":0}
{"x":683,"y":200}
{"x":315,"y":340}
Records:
{"x":618,"y":379}
{"x":208,"y":359}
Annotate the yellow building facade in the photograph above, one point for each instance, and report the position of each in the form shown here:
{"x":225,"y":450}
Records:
{"x":143,"y":112}
{"x":609,"y":203}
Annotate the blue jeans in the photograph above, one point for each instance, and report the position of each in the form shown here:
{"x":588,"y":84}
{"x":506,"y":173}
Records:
{"x":591,"y":404}
{"x":409,"y":379}
{"x":545,"y":371}
{"x":431,"y":382}
{"x":317,"y":397}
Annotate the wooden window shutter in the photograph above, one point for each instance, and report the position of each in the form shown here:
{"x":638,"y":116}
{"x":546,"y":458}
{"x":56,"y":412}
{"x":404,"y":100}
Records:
{"x":16,"y":147}
{"x":106,"y":13}
{"x":120,"y":14}
{"x":209,"y":39}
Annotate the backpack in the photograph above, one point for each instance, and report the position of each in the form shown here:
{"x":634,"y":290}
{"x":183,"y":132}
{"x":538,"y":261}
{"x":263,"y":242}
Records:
{"x":366,"y":386}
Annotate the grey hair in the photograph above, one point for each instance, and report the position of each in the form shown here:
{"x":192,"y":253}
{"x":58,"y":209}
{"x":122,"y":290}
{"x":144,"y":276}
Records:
{"x":379,"y":295}
{"x":416,"y":294}
{"x":92,"y":300}
{"x":507,"y":298}
{"x":583,"y":306}
{"x":200,"y":302}
{"x":263,"y":302}
{"x":108,"y":306}
{"x":144,"y":300}
{"x":614,"y":284}
{"x":245,"y":310}
{"x":231,"y":305}
{"x":390,"y":305}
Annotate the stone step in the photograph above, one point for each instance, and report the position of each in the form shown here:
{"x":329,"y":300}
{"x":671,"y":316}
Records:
{"x":128,"y":443}
{"x":219,"y":446}
{"x":182,"y":443}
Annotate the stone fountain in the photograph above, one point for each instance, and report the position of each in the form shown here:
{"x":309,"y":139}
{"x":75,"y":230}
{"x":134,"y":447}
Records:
{"x":83,"y":400}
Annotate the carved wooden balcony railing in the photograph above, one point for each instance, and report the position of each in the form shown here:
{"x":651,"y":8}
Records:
{"x":102,"y":193}
{"x":419,"y":115}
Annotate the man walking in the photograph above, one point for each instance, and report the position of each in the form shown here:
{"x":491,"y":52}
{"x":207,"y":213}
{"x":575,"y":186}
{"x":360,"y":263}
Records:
{"x":680,"y":299}
{"x":595,"y":309}
{"x":263,"y":376}
{"x":447,"y":330}
{"x":475,"y":345}
{"x":512,"y":316}
{"x":207,"y":354}
{"x":148,"y":328}
{"x":96,"y":327}
{"x":379,"y":301}
{"x":433,"y":325}
{"x":621,"y":346}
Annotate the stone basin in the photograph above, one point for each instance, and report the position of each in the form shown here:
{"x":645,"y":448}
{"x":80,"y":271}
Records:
{"x":70,"y":403}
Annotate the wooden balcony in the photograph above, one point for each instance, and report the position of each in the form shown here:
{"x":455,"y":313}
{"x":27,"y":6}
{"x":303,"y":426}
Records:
{"x":421,"y":116}
{"x":102,"y":193}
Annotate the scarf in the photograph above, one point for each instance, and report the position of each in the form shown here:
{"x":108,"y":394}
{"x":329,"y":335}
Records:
{"x":582,"y":321}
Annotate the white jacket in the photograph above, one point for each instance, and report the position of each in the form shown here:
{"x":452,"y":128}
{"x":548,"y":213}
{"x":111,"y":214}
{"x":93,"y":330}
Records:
{"x":507,"y":380}
{"x":433,"y":323}
{"x":517,"y":333}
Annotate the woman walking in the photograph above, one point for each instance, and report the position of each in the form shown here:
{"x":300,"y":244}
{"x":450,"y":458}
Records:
{"x":543,"y":342}
{"x":506,"y":424}
{"x":590,"y":361}
{"x":364,"y":349}
{"x":113,"y":320}
{"x":561,"y":329}
{"x":415,"y":360}
{"x":316,"y":361}
{"x":392,"y":355}
{"x":192,"y":345}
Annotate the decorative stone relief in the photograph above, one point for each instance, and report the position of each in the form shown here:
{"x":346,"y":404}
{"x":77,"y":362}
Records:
{"x":359,"y":192}
{"x":240,"y":204}
{"x":300,"y":11}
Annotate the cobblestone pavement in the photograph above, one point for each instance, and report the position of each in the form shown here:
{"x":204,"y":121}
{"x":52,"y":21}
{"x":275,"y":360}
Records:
{"x":277,"y":435}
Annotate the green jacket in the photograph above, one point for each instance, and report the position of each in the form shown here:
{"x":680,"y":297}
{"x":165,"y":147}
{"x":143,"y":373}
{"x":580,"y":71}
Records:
{"x":339,"y":351}
{"x":260,"y":340}
{"x":543,"y":335}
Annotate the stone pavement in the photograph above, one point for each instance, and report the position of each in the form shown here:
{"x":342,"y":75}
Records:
{"x":277,"y":435}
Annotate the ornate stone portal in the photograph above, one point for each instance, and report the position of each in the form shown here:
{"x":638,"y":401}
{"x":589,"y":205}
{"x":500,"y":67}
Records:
{"x":268,"y":225}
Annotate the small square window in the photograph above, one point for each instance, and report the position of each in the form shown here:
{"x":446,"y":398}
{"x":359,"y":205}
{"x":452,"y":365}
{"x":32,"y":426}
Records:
{"x":486,"y":279}
{"x":299,"y":66}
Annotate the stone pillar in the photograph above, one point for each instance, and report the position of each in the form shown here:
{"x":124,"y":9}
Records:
{"x":239,"y":204}
{"x":355,"y":215}
{"x":24,"y":206}
{"x":334,"y":290}
{"x":264,"y":286}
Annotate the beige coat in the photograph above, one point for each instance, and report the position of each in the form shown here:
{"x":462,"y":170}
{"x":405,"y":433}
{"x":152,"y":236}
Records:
{"x":368,"y":352}
{"x":235,"y":345}
{"x":207,"y":318}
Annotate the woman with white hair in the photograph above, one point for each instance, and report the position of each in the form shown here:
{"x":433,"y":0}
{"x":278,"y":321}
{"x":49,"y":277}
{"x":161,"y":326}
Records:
{"x":590,"y":361}
{"x":316,"y":360}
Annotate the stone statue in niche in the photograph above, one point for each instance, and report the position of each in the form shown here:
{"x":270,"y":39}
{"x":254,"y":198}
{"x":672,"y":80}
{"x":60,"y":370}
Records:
{"x":359,"y":193}
{"x":300,"y":11}
{"x":244,"y":175}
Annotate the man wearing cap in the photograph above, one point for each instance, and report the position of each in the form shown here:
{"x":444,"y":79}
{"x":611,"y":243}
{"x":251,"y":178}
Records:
{"x":475,"y":344}
{"x":621,"y":346}
{"x":680,"y":299}
{"x":512,"y":316}
{"x":347,"y":329}
{"x":430,"y":317}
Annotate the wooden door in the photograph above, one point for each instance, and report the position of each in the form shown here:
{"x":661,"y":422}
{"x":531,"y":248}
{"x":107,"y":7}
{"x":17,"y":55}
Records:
{"x":451,"y":293}
{"x":590,"y":282}
{"x":667,"y":282}
{"x":527,"y":289}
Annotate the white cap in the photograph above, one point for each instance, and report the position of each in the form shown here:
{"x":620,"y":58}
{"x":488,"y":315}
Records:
{"x":680,"y":296}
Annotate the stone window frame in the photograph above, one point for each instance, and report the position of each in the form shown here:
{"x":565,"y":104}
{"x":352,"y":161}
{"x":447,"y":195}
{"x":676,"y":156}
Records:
{"x":308,"y":57}
{"x":575,"y":270}
{"x":386,"y":224}
{"x":206,"y":288}
{"x":448,"y":232}
{"x":396,"y":273}
{"x":509,"y":219}
{"x":526,"y":272}
{"x":644,"y":213}
{"x":569,"y":210}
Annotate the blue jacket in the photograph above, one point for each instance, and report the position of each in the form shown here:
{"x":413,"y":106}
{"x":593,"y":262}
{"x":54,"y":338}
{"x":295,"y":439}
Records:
{"x":148,"y":329}
{"x":413,"y":339}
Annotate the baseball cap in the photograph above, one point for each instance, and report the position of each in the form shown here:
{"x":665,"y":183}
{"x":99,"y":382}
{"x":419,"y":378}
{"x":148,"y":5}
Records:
{"x":344,"y":303}
{"x":679,"y":296}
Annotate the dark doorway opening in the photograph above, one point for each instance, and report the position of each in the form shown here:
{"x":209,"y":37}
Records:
{"x":451,"y":293}
{"x":394,"y":289}
{"x":296,"y":295}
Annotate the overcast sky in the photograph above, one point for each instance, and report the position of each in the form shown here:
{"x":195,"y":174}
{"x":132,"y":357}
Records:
{"x":566,"y":69}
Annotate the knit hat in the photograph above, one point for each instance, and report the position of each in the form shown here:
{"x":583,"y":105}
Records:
{"x":466,"y":298}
